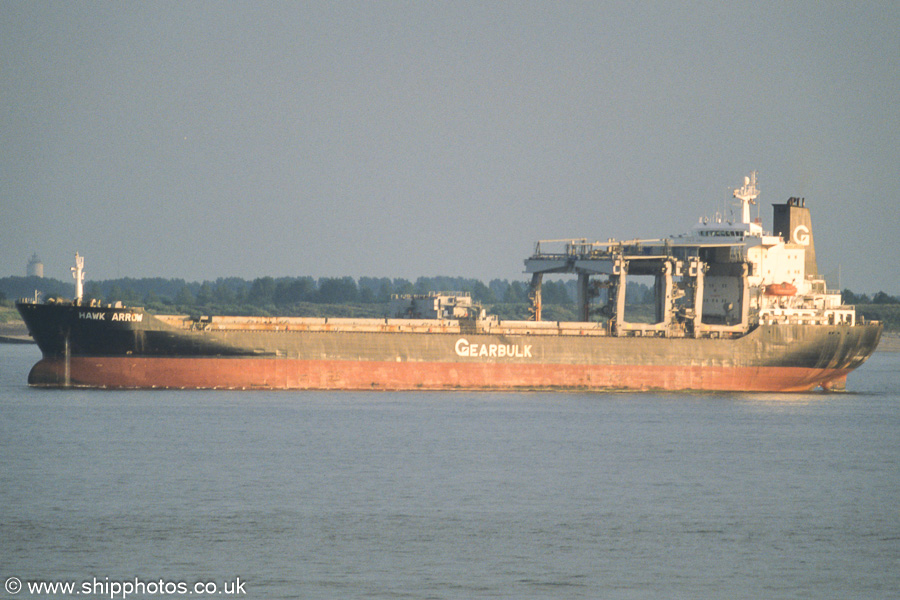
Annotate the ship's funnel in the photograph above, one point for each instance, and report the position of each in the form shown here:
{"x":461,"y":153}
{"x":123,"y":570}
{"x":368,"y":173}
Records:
{"x":793,"y":223}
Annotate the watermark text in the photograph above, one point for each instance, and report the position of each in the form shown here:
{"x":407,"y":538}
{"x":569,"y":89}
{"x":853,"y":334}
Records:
{"x":120,"y":589}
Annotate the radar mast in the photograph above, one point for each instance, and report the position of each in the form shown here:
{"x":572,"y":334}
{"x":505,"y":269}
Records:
{"x":747,"y":195}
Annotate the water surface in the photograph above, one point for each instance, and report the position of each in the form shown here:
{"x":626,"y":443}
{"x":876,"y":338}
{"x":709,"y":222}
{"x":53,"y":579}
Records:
{"x":456,"y":495}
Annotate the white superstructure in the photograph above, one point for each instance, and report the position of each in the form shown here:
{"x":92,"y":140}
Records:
{"x":782,"y":287}
{"x":723,"y":277}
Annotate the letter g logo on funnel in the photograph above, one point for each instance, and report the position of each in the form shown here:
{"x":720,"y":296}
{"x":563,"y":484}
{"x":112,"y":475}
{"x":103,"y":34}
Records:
{"x":801,"y":235}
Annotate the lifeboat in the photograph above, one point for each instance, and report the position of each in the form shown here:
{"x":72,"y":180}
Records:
{"x":781,"y":289}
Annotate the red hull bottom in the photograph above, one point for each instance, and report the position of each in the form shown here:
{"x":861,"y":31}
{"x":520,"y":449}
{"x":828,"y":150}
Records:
{"x":287,"y":374}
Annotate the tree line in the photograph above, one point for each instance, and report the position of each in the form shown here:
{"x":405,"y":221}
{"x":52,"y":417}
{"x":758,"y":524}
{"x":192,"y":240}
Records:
{"x":279,"y":293}
{"x":300,"y":295}
{"x":879,"y":298}
{"x":308,"y":296}
{"x":287,"y":291}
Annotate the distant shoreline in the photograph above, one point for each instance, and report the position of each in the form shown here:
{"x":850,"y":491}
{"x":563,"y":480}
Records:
{"x":890,"y":342}
{"x":13,"y":331}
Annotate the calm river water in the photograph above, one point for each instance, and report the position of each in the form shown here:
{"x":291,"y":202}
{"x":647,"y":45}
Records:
{"x":450,"y":495}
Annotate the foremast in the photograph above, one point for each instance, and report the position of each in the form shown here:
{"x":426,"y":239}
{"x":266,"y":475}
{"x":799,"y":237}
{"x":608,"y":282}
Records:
{"x":78,"y":274}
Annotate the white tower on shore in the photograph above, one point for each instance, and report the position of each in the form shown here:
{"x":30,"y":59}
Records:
{"x":35,"y":267}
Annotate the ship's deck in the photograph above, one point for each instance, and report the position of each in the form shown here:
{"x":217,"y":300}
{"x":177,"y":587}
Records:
{"x":330,"y":324}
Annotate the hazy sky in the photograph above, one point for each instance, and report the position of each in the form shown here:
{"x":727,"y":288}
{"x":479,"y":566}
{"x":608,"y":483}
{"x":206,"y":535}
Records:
{"x":202,"y":140}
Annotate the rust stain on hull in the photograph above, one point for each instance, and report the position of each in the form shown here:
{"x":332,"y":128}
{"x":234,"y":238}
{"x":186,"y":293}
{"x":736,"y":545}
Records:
{"x":287,"y":374}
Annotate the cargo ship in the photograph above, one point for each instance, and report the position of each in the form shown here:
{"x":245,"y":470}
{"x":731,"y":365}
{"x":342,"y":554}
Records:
{"x":735,"y":309}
